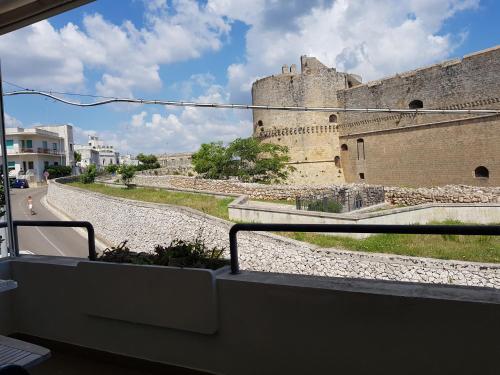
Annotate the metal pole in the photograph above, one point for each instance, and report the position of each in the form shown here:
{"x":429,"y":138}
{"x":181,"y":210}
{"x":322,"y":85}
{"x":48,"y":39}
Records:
{"x":11,"y":242}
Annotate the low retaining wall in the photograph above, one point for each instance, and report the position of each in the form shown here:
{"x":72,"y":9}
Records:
{"x":486,"y":213}
{"x":393,"y":195}
{"x":146,"y":224}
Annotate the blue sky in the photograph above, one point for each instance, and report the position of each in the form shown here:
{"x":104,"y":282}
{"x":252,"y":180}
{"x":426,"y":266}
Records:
{"x":213,"y":50}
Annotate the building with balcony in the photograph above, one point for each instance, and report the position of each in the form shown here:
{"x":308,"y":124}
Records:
{"x":31,"y":151}
{"x":96,"y":152}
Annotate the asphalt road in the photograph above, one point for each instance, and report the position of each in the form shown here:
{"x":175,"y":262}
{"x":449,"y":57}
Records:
{"x":40,"y":240}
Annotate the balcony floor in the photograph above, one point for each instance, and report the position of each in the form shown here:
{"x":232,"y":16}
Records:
{"x":74,"y":360}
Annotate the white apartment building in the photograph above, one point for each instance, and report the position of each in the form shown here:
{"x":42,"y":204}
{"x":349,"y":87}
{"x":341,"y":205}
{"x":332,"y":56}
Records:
{"x":30,"y":151}
{"x":97,"y":153}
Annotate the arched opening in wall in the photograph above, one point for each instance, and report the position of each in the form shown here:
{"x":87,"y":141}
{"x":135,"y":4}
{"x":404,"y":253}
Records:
{"x":344,"y":147}
{"x":332,"y":118}
{"x":360,"y":143}
{"x":336,"y":160}
{"x":481,"y":172}
{"x":416,"y":104}
{"x":260,"y":125}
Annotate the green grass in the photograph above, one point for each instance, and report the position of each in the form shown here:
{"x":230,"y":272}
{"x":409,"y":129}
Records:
{"x":205,"y":203}
{"x":467,"y":248}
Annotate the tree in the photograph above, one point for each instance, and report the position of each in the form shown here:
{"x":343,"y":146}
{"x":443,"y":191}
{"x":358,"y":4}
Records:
{"x":127,"y":173}
{"x":77,"y":156}
{"x":112,"y":168}
{"x":249,"y":159}
{"x":212,"y":160}
{"x":147,"y":162}
{"x":88,"y":177}
{"x":147,"y":159}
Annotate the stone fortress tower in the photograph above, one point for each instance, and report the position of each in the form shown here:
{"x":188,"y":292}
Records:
{"x":311,"y":137}
{"x":411,"y":149}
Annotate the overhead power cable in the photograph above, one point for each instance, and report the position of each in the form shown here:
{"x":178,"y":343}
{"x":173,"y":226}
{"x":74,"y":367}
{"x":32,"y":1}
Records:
{"x":248,"y":106}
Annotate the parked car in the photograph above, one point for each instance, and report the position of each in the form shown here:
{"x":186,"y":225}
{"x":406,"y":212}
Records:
{"x":20,"y":183}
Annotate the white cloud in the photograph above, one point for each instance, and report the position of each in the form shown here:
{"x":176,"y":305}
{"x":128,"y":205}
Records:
{"x":371,"y":38}
{"x":128,"y":58}
{"x":176,"y":130}
{"x":12,"y":122}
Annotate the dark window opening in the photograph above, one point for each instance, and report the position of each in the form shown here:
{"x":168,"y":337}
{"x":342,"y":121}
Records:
{"x":344,"y":147}
{"x":336,"y":160}
{"x":362,"y":176}
{"x":260,"y":123}
{"x":333,"y":118}
{"x":349,"y":84}
{"x":416,"y":104}
{"x":481,"y":172}
{"x":361,"y":149}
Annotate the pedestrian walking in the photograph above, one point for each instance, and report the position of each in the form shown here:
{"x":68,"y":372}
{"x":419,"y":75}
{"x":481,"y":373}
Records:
{"x":30,"y":205}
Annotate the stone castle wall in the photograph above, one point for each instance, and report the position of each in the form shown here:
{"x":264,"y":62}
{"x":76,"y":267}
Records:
{"x":393,"y":195}
{"x":397,"y":149}
{"x":425,"y":150}
{"x":311,"y":137}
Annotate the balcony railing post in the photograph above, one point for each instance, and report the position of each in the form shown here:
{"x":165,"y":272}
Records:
{"x":233,"y":249}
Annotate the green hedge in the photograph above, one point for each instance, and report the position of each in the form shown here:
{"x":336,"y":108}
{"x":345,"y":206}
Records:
{"x":56,"y":171}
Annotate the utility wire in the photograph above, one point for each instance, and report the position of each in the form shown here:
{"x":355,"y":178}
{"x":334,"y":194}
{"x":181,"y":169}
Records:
{"x":59,"y":92}
{"x":109,"y":100}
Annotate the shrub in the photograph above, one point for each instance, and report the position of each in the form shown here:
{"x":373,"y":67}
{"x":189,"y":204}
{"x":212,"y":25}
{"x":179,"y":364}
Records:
{"x":127,"y":173}
{"x":56,"y":171}
{"x":180,"y":253}
{"x":88,"y":177}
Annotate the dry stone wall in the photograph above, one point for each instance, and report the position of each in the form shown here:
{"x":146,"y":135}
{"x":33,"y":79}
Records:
{"x":394,"y":195}
{"x":145,"y":225}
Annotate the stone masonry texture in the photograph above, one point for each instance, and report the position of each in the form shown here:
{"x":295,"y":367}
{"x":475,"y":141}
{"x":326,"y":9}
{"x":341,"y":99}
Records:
{"x":384,"y":148}
{"x":144,"y":225}
{"x":393,"y":195}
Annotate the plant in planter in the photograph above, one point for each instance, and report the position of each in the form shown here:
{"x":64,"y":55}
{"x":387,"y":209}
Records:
{"x":179,"y":253}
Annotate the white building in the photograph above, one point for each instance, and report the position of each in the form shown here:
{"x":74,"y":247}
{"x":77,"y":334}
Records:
{"x":129,"y":160}
{"x":97,"y":153}
{"x":31,"y":151}
{"x":88,"y":155}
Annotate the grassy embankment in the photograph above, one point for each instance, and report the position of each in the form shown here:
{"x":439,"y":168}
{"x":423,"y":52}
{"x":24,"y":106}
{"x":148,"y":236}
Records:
{"x":467,"y":248}
{"x":205,"y":203}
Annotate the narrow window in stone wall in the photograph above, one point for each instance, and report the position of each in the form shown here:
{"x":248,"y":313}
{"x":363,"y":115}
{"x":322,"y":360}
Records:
{"x":361,"y":176}
{"x":344,"y":147}
{"x":481,"y":172}
{"x":333,"y":118}
{"x":336,"y":160}
{"x":416,"y":104}
{"x":361,"y":149}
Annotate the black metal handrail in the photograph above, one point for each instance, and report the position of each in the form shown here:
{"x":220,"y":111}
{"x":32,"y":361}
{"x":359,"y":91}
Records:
{"x":56,"y":224}
{"x":466,"y":230}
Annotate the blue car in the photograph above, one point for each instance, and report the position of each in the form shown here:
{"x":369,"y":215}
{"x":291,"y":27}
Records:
{"x":20,"y":183}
